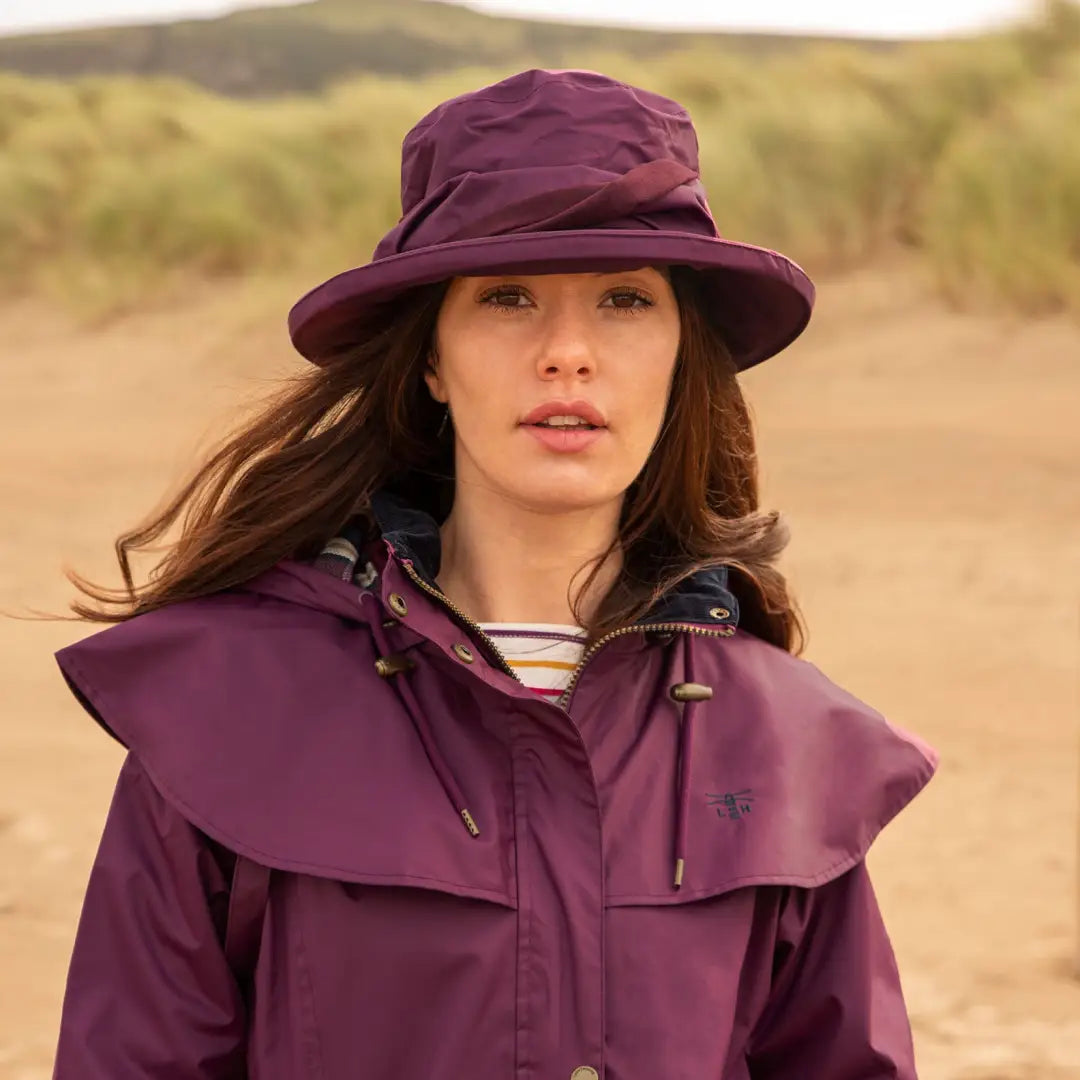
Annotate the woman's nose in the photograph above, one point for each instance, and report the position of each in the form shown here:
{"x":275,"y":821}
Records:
{"x":567,"y":348}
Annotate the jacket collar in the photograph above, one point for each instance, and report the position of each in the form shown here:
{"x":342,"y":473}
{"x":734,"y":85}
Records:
{"x":413,"y":534}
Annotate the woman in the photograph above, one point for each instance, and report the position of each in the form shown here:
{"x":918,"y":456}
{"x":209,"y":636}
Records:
{"x":406,"y":797}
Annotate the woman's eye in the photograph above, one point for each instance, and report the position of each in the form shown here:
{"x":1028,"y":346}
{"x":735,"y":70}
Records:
{"x":631,"y":295}
{"x":503,"y":299}
{"x":508,"y":298}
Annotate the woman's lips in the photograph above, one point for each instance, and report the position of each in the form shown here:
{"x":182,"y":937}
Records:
{"x":585,"y":410}
{"x":565,"y":439}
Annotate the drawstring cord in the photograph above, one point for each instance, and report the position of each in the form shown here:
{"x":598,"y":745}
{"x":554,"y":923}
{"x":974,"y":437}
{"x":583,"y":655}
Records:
{"x":690,"y":693}
{"x":391,"y":664}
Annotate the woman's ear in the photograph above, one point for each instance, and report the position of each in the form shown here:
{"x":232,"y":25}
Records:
{"x":434,"y":379}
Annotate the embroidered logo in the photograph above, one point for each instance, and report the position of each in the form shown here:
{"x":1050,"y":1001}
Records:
{"x":732,"y":804}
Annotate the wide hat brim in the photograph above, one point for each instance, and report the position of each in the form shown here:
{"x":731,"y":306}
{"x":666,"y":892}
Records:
{"x":759,"y":299}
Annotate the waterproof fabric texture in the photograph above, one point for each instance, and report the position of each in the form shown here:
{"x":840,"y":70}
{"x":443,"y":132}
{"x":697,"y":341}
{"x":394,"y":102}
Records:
{"x":465,"y":879}
{"x":559,"y":172}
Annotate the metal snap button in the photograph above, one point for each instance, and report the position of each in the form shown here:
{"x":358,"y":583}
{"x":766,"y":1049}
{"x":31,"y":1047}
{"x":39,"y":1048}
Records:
{"x":397,"y":604}
{"x":719,"y":612}
{"x":464,"y":653}
{"x":584,"y":1072}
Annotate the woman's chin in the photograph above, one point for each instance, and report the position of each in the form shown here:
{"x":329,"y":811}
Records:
{"x":563,"y":491}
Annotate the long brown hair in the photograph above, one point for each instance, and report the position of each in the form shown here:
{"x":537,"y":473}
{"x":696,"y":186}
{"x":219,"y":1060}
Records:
{"x":289,"y":479}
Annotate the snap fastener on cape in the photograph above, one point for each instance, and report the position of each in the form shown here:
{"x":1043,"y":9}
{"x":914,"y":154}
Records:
{"x":691,"y":691}
{"x":464,"y":653}
{"x":584,"y":1072}
{"x":398,"y":605}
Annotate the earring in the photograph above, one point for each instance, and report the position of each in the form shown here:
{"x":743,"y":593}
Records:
{"x":442,"y":426}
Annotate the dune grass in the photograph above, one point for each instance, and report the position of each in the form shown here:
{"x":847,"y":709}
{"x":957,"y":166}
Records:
{"x":1002,"y":216}
{"x":115,"y":191}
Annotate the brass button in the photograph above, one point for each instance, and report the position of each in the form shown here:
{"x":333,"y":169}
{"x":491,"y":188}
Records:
{"x":398,"y":605}
{"x":584,"y":1072}
{"x":719,"y":612}
{"x":464,"y":653}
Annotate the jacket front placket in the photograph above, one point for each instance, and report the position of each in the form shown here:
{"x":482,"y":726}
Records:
{"x":558,"y":849}
{"x":557,"y":830}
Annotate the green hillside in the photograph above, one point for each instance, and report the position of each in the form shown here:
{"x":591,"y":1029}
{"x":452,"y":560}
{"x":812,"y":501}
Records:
{"x":306,"y":47}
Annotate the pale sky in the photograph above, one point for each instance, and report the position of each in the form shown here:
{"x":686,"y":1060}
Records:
{"x":912,"y":18}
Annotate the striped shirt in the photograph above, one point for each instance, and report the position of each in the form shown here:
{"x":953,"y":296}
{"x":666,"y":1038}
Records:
{"x":543,"y":655}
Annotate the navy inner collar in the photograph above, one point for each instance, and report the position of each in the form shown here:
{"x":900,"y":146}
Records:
{"x":414,"y":535}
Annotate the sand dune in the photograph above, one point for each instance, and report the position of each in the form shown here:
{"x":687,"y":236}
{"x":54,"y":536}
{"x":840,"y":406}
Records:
{"x":929,"y":464}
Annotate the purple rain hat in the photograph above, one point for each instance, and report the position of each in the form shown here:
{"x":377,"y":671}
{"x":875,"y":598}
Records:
{"x":559,"y":172}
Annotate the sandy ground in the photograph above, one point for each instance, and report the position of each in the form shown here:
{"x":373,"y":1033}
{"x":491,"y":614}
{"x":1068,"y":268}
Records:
{"x":929,"y":464}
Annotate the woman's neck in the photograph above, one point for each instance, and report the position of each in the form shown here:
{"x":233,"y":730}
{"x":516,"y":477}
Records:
{"x":505,"y":563}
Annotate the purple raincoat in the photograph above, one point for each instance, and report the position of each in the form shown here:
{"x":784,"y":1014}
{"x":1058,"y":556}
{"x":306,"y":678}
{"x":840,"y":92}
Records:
{"x":461,"y":879}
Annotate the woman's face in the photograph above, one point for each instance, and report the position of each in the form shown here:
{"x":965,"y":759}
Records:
{"x":511,"y":343}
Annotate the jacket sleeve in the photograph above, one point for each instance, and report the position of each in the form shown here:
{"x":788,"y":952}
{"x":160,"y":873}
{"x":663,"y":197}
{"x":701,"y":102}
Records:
{"x":836,"y":1009}
{"x":149,"y":992}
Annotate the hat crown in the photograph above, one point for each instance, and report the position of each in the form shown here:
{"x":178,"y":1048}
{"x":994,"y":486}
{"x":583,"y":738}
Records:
{"x":546,"y":150}
{"x":544,"y":118}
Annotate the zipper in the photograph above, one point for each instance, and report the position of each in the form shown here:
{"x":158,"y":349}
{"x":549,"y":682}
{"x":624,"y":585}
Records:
{"x":564,"y":699}
{"x":478,"y":630}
